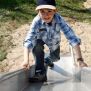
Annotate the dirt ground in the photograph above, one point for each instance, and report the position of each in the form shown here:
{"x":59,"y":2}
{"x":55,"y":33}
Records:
{"x":15,"y":55}
{"x":87,"y":4}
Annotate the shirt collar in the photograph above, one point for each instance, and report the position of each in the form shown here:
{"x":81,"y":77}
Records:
{"x":57,"y":18}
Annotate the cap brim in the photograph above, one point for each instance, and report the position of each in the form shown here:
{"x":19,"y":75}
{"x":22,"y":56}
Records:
{"x":45,"y":6}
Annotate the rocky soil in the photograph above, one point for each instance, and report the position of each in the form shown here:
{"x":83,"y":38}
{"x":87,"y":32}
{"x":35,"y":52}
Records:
{"x":87,"y":4}
{"x":15,"y":54}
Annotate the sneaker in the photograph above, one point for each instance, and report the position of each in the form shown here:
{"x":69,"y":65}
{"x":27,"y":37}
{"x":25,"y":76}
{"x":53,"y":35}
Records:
{"x":49,"y":63}
{"x":39,"y":78}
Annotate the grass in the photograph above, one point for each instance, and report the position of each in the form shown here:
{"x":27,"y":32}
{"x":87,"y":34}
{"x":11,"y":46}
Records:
{"x":14,"y":13}
{"x":74,"y":9}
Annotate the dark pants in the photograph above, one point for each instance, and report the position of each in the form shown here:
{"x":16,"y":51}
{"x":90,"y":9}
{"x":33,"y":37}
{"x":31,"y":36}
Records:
{"x":38,"y":52}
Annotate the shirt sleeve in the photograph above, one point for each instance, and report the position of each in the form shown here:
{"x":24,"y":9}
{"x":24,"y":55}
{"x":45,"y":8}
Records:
{"x":69,"y":33}
{"x":30,"y":38}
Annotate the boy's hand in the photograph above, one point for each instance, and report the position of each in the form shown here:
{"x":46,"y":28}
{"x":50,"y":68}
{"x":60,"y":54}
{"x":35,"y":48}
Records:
{"x":82,"y":64}
{"x":25,"y":65}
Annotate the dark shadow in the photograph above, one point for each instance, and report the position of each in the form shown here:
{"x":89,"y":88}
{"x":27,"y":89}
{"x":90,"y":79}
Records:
{"x":6,"y":4}
{"x":12,"y":4}
{"x":89,"y":9}
{"x":15,"y":6}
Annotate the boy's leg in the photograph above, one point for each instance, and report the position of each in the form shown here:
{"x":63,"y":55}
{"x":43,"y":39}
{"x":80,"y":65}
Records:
{"x":53,"y":56}
{"x":38,"y":52}
{"x":40,"y":70}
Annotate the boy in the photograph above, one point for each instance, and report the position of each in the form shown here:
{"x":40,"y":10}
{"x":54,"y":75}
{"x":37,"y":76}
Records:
{"x":45,"y":29}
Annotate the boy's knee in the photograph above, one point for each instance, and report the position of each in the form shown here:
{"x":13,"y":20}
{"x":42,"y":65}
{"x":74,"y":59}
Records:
{"x":38,"y":48}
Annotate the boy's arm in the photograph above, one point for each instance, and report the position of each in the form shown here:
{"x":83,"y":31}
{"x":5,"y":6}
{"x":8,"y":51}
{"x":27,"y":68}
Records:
{"x":78,"y":54}
{"x":25,"y":63}
{"x":73,"y":40}
{"x":26,"y":55}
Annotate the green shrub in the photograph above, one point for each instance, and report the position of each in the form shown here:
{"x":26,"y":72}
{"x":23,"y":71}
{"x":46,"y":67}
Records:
{"x":2,"y":55}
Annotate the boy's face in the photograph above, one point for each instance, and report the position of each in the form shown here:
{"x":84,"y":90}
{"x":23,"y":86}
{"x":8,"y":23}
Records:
{"x":47,"y":14}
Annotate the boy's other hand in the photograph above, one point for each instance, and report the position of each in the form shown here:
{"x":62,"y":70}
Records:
{"x":26,"y":65}
{"x":82,"y":64}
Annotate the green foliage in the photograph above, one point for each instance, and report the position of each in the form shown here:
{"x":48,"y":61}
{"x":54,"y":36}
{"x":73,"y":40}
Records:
{"x":74,"y":9}
{"x":24,"y":10}
{"x":2,"y":55}
{"x":14,"y":3}
{"x":19,"y":10}
{"x":5,"y":43}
